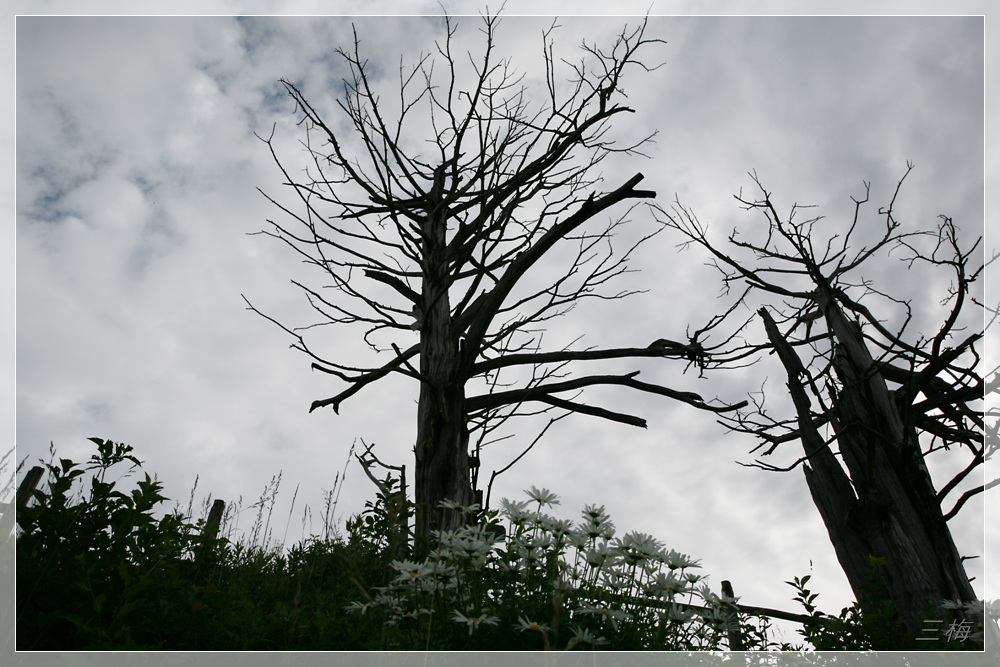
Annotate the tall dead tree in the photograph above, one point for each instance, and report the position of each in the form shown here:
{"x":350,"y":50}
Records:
{"x":428,"y":223}
{"x":871,"y":401}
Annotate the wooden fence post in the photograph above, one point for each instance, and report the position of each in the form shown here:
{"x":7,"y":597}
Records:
{"x":211,"y":529}
{"x":732,"y":620}
{"x":28,"y":485}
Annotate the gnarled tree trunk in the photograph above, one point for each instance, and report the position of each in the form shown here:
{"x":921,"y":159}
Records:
{"x":884,"y":505}
{"x":442,"y":447}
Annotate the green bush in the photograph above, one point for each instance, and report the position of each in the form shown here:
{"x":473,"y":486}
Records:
{"x":101,"y":572}
{"x":874,"y":625}
{"x":96,"y":570}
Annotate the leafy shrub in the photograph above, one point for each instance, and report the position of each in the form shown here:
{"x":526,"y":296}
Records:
{"x":97,"y":570}
{"x":101,"y":572}
{"x":873,"y":624}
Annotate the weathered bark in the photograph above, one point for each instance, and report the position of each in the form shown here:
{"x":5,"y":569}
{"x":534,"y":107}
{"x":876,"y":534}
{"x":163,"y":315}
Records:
{"x":442,"y":447}
{"x":885,"y":504}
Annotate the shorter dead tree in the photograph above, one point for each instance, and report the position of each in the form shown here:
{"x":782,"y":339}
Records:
{"x":871,"y":401}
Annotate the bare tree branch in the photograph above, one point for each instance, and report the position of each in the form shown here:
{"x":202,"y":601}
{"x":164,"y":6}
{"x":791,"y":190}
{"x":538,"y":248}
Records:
{"x":868,"y":478}
{"x":433,"y":233}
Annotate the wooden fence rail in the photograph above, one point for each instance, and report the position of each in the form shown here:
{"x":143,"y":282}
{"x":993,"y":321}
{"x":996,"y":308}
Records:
{"x":732,"y":609}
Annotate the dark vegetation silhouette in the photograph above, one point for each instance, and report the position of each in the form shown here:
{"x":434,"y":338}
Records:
{"x":100,"y":567}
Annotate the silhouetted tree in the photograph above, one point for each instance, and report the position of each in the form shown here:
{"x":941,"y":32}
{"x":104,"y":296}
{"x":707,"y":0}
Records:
{"x":462,"y":185}
{"x":871,"y":401}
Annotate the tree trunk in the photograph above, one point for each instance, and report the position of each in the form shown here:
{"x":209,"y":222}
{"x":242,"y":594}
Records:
{"x":442,"y":447}
{"x":885,"y":505}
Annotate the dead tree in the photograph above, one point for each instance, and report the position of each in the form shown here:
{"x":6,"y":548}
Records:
{"x":871,"y":401}
{"x":394,"y":500}
{"x":426,"y":230}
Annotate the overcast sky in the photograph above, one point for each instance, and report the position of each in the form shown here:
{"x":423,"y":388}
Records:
{"x":137,"y":170}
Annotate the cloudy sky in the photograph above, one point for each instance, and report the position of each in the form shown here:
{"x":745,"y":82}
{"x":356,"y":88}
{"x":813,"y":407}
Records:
{"x":137,"y":168}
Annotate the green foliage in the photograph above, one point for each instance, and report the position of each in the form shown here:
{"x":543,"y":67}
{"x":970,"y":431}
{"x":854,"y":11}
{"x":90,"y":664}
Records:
{"x":96,"y":570}
{"x":101,"y":572}
{"x":824,"y":633}
{"x":869,"y":625}
{"x":381,"y":525}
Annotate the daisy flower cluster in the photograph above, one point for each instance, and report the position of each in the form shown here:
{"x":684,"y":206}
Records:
{"x":556,"y":584}
{"x":628,"y":587}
